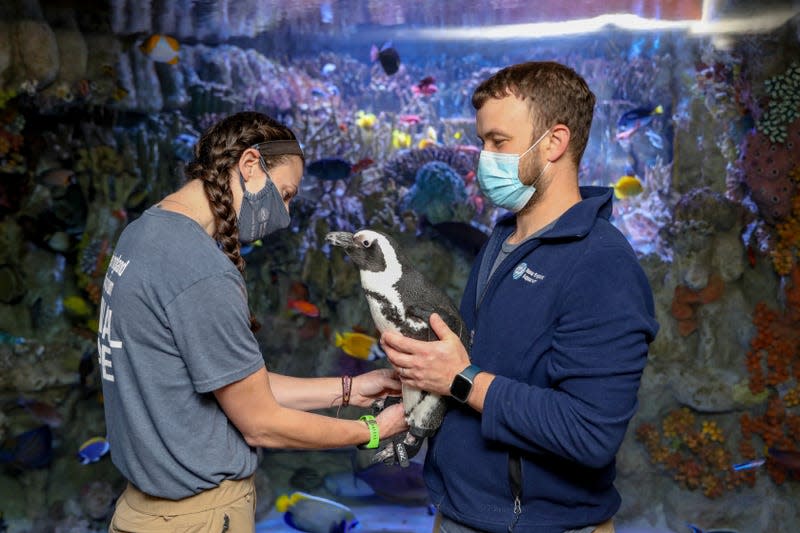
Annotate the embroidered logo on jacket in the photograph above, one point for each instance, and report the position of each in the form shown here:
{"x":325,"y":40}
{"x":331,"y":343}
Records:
{"x":522,"y":271}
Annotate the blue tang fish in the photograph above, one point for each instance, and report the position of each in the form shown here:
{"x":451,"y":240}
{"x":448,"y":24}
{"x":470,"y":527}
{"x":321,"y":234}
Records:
{"x":92,"y":450}
{"x":305,"y":512}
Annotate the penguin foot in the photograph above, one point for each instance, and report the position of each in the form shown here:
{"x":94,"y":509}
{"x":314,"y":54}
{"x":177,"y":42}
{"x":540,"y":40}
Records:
{"x":399,"y":450}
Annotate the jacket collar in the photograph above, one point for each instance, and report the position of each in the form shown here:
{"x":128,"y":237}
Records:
{"x":577,"y":220}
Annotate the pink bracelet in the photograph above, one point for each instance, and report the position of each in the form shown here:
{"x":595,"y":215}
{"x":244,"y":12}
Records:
{"x":347,"y":381}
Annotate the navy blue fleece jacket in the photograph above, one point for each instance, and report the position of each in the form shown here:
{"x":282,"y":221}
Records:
{"x":564,"y":323}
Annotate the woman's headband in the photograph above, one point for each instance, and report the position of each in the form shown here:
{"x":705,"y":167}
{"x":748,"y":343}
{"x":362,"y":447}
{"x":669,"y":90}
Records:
{"x":289,"y":147}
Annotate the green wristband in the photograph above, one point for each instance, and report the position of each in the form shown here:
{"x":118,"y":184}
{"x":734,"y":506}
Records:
{"x":374,"y":431}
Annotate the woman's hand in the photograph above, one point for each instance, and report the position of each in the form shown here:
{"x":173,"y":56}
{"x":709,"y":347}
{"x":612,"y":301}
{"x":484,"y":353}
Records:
{"x":391,"y":421}
{"x":374,"y":385}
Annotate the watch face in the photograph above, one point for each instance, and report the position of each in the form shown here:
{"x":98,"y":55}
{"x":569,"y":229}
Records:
{"x":460,"y":388}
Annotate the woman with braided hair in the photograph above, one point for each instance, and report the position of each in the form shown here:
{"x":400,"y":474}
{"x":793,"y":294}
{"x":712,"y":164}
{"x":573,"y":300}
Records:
{"x":188,"y":399}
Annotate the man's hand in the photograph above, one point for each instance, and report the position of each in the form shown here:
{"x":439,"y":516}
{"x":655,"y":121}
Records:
{"x":429,"y":366}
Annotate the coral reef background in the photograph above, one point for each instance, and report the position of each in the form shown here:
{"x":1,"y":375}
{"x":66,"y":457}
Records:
{"x":93,"y":130}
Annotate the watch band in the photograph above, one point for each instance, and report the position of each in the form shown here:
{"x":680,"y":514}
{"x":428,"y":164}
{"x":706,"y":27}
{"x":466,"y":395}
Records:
{"x":470,"y":372}
{"x":374,"y":431}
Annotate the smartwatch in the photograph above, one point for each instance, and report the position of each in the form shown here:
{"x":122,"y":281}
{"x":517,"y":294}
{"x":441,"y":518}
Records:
{"x":462,"y":383}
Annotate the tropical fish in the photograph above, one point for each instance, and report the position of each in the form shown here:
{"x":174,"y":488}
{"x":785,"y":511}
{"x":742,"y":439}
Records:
{"x":183,"y":146}
{"x":78,"y":307}
{"x":92,"y":450}
{"x":755,"y":463}
{"x":409,"y":120}
{"x":631,"y":121}
{"x":304,"y":307}
{"x":57,"y":177}
{"x":431,"y":138}
{"x":44,"y":412}
{"x":468,"y":148}
{"x":426,"y":87}
{"x":400,"y":139}
{"x":246,"y":249}
{"x":161,"y":48}
{"x":789,"y":459}
{"x":361,"y":164}
{"x":365,"y":121}
{"x":627,"y":186}
{"x":358,"y":345}
{"x":32,"y":449}
{"x":330,"y":168}
{"x":314,"y":514}
{"x":328,"y":69}
{"x":388,"y":57}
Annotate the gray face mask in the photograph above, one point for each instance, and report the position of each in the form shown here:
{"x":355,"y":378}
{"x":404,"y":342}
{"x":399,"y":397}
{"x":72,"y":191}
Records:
{"x":262,"y":213}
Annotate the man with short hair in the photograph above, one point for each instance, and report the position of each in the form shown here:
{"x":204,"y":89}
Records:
{"x":560,"y":314}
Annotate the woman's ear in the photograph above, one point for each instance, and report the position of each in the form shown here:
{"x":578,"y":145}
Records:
{"x":248,"y":163}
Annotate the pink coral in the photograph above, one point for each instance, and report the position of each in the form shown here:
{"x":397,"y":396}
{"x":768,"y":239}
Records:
{"x":766,"y":167}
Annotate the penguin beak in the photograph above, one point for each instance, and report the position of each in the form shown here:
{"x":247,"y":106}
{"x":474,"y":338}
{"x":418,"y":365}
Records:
{"x":340,"y":238}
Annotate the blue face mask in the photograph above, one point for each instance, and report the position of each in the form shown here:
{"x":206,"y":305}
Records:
{"x":498,"y":177}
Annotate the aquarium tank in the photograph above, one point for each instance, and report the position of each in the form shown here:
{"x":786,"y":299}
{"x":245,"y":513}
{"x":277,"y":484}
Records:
{"x":696,"y":128}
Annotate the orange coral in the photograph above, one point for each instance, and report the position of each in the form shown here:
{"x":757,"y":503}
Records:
{"x":785,"y":253}
{"x":686,"y":301}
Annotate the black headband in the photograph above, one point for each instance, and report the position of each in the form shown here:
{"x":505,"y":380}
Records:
{"x":279,"y":148}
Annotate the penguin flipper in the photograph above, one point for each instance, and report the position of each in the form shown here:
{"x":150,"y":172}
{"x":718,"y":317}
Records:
{"x":453,"y":321}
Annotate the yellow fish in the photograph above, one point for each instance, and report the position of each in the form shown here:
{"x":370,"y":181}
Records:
{"x":400,"y":139}
{"x":357,"y":345}
{"x":161,"y":48}
{"x":365,"y":121}
{"x":431,"y":138}
{"x":78,"y":307}
{"x":627,"y":186}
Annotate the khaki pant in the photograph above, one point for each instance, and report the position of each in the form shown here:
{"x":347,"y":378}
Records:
{"x":605,"y":527}
{"x":228,"y":508}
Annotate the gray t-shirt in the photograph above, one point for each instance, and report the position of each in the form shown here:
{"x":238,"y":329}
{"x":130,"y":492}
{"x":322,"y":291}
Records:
{"x":507,"y":248}
{"x":174,"y":326}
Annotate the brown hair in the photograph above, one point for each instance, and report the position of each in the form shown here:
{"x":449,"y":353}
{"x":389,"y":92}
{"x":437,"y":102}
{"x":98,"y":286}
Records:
{"x":555,"y":94}
{"x":216,"y":155}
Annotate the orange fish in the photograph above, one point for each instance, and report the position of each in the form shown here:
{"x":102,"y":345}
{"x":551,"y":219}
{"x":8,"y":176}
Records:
{"x":161,"y":48}
{"x":361,"y":164}
{"x":303,"y":307}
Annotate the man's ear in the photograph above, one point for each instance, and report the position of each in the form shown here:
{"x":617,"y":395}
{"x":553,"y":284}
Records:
{"x":558,"y":142}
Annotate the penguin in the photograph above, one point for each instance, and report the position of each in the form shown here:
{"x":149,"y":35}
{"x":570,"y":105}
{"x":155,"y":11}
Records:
{"x":401,"y":299}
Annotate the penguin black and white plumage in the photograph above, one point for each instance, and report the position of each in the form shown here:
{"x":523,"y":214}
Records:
{"x":401,"y":299}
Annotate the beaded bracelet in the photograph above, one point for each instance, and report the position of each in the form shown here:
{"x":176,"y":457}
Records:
{"x":347,"y":382}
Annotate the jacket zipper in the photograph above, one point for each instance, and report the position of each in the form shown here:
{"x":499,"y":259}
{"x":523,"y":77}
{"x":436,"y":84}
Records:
{"x":515,"y":480}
